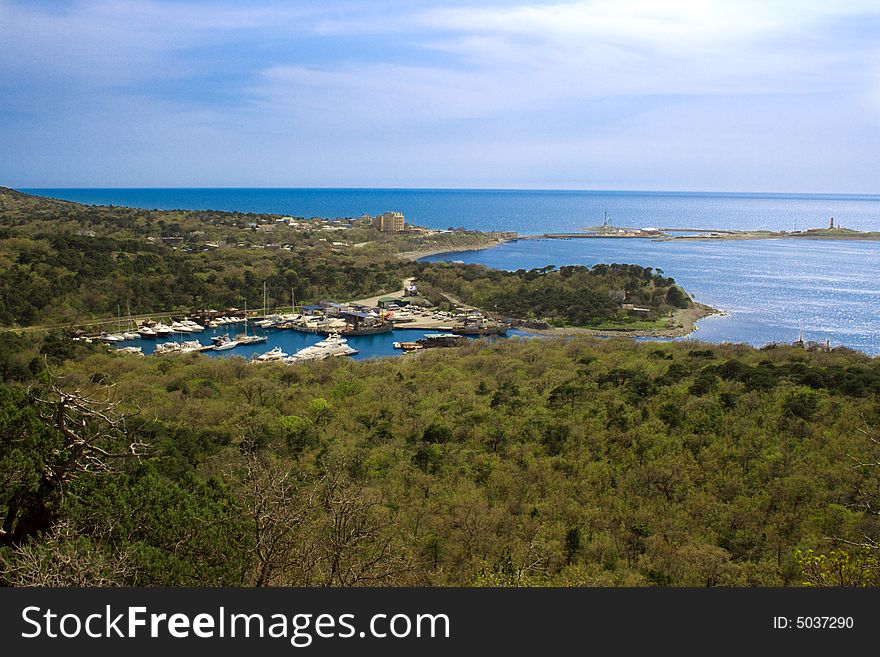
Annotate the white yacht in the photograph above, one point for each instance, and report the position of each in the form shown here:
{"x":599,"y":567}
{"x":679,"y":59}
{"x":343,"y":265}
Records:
{"x":269,"y":320}
{"x":190,"y":345}
{"x":223,"y":345}
{"x":332,"y":345}
{"x":272,"y":354}
{"x":135,"y":351}
{"x":147,"y":332}
{"x":194,"y":327}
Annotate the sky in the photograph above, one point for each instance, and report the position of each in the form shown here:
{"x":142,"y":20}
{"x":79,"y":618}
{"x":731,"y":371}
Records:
{"x":678,"y":95}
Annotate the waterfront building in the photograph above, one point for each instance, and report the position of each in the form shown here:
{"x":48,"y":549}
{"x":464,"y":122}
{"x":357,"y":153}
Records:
{"x":389,"y":222}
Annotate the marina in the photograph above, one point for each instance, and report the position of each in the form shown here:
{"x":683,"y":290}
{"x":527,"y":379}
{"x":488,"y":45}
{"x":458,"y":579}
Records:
{"x":288,"y":342}
{"x":378,"y":326}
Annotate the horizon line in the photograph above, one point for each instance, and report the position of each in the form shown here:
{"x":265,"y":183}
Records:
{"x":473,"y":189}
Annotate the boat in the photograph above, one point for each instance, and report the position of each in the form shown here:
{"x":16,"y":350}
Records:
{"x":146,"y":332}
{"x":167,"y":348}
{"x":432,"y":340}
{"x":273,"y":354}
{"x":250,"y":339}
{"x":111,"y":337}
{"x":129,"y":333}
{"x":217,"y":339}
{"x":408,"y":346}
{"x":332,"y":340}
{"x":269,"y":321}
{"x":333,"y":345}
{"x":479,"y":326}
{"x":244,"y":338}
{"x":134,"y":351}
{"x":190,"y":346}
{"x":163,"y":330}
{"x":225,"y":344}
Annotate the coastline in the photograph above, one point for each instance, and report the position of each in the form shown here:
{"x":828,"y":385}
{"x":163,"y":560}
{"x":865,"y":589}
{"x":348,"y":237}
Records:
{"x":685,"y":321}
{"x":424,"y":253}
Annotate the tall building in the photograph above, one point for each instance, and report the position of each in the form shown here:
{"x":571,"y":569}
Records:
{"x":390,"y":222}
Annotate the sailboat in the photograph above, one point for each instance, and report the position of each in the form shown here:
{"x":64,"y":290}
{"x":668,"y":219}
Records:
{"x":130,"y":333}
{"x":114,"y":337}
{"x":248,"y":339}
{"x":268,"y":320}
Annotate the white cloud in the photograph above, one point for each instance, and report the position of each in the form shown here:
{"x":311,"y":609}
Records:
{"x":570,"y":91}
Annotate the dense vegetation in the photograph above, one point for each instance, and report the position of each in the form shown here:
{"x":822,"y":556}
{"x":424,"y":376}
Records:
{"x":65,"y":263}
{"x":519,"y":462}
{"x":568,"y":296}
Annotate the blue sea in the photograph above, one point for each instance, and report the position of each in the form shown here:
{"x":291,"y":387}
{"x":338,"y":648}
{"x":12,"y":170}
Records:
{"x":530,"y":212}
{"x":769,"y":289}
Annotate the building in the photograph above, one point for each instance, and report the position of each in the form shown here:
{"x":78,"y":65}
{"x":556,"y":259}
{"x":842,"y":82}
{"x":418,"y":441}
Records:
{"x":390,"y":222}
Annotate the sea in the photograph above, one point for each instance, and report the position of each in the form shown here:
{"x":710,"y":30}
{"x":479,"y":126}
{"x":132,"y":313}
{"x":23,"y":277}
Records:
{"x":769,"y":290}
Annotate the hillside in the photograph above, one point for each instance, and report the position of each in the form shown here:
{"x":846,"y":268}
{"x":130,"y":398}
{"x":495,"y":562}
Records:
{"x":520,"y":462}
{"x":65,"y":263}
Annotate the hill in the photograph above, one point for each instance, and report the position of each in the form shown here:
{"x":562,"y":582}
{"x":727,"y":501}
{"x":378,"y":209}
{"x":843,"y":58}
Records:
{"x":519,"y":462}
{"x":65,"y":263}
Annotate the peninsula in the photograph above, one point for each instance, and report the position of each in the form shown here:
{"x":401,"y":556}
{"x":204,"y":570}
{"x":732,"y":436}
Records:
{"x":607,"y":231}
{"x":76,"y":266}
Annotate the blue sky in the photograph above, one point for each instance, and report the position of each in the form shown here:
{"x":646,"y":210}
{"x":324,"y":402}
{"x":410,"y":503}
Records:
{"x":701,"y":95}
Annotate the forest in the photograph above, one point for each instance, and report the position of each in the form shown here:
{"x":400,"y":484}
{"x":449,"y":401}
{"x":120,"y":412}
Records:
{"x":518,"y":462}
{"x":567,"y":296}
{"x":515,"y":462}
{"x":64,"y":263}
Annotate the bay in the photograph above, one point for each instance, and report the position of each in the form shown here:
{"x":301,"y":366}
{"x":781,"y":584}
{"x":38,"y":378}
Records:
{"x":768,"y":289}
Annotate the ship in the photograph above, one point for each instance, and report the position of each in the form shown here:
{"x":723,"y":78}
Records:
{"x":433,"y":340}
{"x":479,"y":326}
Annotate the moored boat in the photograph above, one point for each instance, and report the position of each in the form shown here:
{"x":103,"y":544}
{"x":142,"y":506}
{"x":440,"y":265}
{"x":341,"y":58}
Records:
{"x":273,"y":354}
{"x":333,"y":345}
{"x":225,"y":345}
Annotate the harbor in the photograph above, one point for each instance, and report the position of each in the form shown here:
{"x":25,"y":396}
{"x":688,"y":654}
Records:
{"x":289,"y":342}
{"x":383,"y":325}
